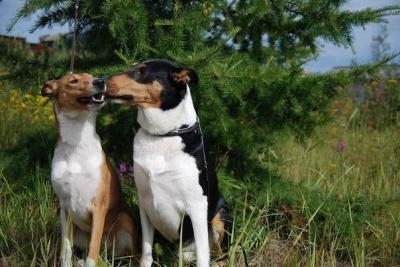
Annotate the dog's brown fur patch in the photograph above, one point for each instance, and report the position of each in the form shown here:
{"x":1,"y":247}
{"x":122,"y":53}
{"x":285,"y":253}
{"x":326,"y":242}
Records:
{"x":68,"y":89}
{"x":183,"y":76}
{"x":143,"y":95}
{"x":218,"y":227}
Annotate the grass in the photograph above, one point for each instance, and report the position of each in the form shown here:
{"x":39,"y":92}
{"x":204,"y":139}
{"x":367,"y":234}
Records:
{"x":29,"y":230}
{"x":357,"y":161}
{"x":330,"y":201}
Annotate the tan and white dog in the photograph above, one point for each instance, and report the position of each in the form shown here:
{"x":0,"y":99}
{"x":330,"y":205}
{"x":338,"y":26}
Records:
{"x":82,"y":178}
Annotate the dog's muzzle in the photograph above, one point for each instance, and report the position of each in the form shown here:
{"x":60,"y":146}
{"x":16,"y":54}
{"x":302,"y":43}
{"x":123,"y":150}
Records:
{"x":99,"y":97}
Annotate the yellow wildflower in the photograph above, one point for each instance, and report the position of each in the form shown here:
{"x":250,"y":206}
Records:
{"x":28,"y":96}
{"x":14,"y":93}
{"x":22,"y":106}
{"x":40,"y":99}
{"x":332,"y":166}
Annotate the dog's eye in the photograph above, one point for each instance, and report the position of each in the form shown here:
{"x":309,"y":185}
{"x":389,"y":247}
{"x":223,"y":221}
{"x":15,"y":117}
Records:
{"x":74,"y":81}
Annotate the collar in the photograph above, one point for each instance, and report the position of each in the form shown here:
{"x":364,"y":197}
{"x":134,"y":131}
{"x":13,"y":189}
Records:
{"x":183,"y":130}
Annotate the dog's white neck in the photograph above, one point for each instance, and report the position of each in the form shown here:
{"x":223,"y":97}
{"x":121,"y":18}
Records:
{"x":158,"y":122}
{"x":77,"y":127}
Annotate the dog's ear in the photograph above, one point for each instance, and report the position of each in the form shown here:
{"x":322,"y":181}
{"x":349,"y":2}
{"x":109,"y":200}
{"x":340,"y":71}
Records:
{"x":49,"y":88}
{"x":185,"y":76}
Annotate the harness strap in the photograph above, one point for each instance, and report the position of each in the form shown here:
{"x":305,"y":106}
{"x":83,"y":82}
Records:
{"x":188,"y":129}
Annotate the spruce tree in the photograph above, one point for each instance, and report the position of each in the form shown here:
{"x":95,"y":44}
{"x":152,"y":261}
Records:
{"x":380,"y":48}
{"x":249,"y":55}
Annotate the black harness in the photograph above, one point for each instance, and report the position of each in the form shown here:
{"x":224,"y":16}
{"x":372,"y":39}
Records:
{"x":192,"y":137}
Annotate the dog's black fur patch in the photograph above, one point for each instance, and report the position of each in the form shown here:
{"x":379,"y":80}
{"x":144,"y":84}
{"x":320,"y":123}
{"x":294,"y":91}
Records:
{"x":207,"y":180}
{"x":162,"y":71}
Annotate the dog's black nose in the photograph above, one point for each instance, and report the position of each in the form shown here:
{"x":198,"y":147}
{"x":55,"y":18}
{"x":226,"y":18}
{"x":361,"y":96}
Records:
{"x":99,"y":83}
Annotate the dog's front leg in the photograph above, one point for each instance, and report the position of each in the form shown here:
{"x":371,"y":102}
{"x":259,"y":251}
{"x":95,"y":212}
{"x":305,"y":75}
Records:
{"x":98,"y":218}
{"x":66,"y":251}
{"x":147,"y":239}
{"x":198,"y":216}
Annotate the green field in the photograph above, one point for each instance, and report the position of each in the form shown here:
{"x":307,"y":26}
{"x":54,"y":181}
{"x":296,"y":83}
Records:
{"x":329,"y":200}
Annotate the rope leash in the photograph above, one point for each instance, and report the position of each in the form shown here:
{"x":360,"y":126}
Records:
{"x":71,"y":67}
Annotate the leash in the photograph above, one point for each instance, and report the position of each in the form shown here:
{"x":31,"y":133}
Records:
{"x":71,"y":66}
{"x":204,"y":160}
{"x":204,"y":151}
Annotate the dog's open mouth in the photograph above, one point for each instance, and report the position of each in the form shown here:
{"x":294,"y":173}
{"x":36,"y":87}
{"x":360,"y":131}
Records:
{"x":96,"y":99}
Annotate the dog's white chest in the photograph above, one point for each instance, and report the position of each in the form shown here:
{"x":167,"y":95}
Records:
{"x":167,"y":181}
{"x":76,"y":175}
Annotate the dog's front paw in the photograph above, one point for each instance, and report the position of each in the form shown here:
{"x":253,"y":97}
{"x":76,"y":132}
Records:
{"x":219,"y":264}
{"x":188,"y":256}
{"x":66,"y":257}
{"x":188,"y":253}
{"x":90,"y":263}
{"x":66,"y":261}
{"x":66,"y":253}
{"x":81,"y":263}
{"x":146,"y":261}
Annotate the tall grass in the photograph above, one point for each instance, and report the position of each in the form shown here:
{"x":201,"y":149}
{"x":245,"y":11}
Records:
{"x":356,"y":161}
{"x":359,"y":164}
{"x":29,"y":232}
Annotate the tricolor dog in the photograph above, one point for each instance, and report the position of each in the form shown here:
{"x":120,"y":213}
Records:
{"x":170,"y":167}
{"x":82,"y":178}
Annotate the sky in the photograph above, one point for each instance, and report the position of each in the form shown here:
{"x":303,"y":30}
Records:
{"x":9,"y":8}
{"x":329,"y":57}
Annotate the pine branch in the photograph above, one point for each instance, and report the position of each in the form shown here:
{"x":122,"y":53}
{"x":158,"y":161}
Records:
{"x":359,"y":70}
{"x":49,"y":18}
{"x":32,"y":6}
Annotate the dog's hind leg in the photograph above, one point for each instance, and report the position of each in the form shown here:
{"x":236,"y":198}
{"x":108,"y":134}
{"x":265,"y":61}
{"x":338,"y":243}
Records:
{"x":218,"y":232}
{"x":81,"y":238}
{"x":126,"y":236}
{"x":81,"y":243}
{"x":220,"y":225}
